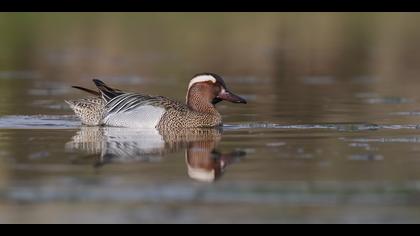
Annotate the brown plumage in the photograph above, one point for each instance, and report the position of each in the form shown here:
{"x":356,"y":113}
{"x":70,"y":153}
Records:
{"x":114,"y":107}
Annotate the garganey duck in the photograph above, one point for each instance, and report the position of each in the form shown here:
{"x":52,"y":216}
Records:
{"x":114,"y":107}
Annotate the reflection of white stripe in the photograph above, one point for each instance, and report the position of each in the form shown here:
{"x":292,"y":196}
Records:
{"x":201,"y":78}
{"x":199,"y":173}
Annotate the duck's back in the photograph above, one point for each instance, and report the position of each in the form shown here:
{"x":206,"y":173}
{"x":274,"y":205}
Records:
{"x":139,"y":111}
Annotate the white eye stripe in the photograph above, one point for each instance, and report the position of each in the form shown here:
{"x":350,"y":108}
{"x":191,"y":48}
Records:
{"x":201,"y":78}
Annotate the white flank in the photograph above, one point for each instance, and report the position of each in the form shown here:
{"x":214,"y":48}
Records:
{"x":201,"y":78}
{"x":142,"y":117}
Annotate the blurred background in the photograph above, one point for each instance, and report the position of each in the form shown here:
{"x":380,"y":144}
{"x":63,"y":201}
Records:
{"x":282,"y":45}
{"x":330,"y":132}
{"x":279,"y":49}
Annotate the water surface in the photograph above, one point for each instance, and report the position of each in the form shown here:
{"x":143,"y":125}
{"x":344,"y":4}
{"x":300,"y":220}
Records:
{"x":331,"y":132}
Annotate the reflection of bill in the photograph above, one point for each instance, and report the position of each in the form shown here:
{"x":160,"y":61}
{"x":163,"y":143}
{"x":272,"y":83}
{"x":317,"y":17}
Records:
{"x":113,"y":144}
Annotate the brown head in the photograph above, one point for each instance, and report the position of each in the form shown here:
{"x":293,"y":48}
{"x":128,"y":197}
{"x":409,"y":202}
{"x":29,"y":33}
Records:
{"x":206,"y":90}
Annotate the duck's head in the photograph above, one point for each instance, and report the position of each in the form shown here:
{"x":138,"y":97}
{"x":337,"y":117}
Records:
{"x":210,"y":88}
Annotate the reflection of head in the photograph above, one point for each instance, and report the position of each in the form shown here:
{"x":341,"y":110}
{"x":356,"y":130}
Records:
{"x":205,"y":164}
{"x":202,"y":162}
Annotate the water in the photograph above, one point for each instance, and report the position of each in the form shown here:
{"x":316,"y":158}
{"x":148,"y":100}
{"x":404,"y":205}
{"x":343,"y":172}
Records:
{"x":324,"y":138}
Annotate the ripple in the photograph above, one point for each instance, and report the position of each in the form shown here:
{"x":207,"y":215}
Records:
{"x":39,"y":122}
{"x":50,"y":104}
{"x":366,"y":157}
{"x":19,"y":75}
{"x":318,"y":192}
{"x":276,"y":144}
{"x":406,"y":113}
{"x":48,"y":91}
{"x":383,"y":140}
{"x":71,"y":122}
{"x":318,"y":80}
{"x":344,"y":127}
{"x":388,"y":100}
{"x":365,"y":79}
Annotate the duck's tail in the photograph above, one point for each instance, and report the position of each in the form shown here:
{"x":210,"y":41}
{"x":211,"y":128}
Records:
{"x":104,"y":90}
{"x":107,"y":92}
{"x":96,"y":93}
{"x":90,"y":109}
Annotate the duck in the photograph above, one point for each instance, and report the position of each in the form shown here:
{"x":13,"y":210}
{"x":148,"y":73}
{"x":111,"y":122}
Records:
{"x":117,"y":108}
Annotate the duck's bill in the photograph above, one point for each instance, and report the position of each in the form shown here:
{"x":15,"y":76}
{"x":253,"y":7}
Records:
{"x":231,"y":97}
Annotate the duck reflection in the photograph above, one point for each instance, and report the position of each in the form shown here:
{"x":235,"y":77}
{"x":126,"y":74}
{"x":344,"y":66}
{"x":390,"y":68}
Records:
{"x":112,"y":144}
